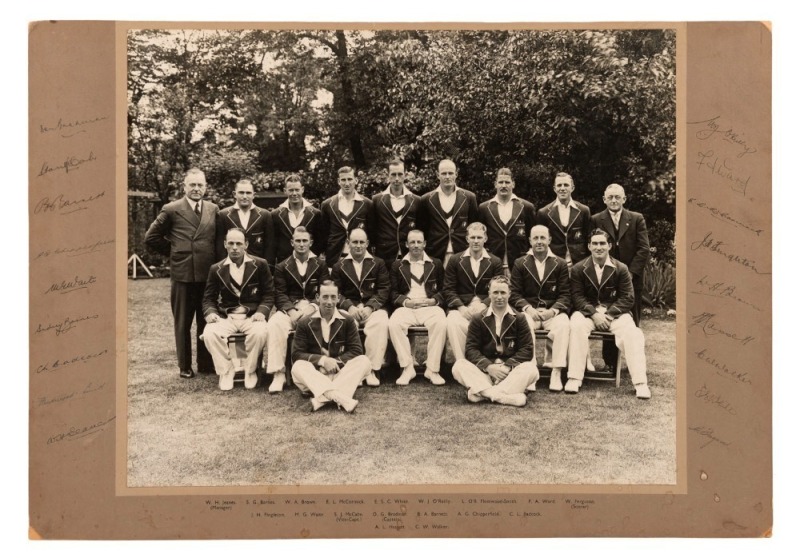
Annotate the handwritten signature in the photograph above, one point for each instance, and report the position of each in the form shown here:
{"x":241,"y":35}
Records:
{"x":70,"y":396}
{"x":712,"y":398}
{"x":65,"y":205}
{"x":721,"y":289}
{"x":70,"y":125}
{"x":718,"y":247}
{"x":724,"y":216}
{"x":70,"y":164}
{"x":722,"y":369}
{"x":709,"y":327}
{"x":76,"y":432}
{"x":65,"y":287}
{"x":722,"y":169}
{"x":713,"y":130}
{"x":73,"y":251}
{"x":64,"y":327}
{"x":709,"y":435}
{"x":58,"y":364}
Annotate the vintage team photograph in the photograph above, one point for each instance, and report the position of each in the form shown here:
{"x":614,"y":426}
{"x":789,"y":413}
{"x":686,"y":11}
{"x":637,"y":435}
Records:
{"x":401,"y":257}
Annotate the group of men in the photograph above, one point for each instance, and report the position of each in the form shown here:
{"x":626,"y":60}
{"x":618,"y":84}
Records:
{"x":484,"y":278}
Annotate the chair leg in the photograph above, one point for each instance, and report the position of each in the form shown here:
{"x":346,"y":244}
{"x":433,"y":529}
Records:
{"x":619,"y":366}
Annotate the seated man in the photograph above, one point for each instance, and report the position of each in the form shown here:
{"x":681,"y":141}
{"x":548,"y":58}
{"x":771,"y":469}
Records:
{"x":238,"y":296}
{"x":296,"y":281}
{"x":364,"y":291}
{"x":328,"y":359}
{"x":499,"y":365}
{"x":602,"y":295}
{"x":416,"y":280}
{"x":466,"y":286}
{"x":540,"y":288}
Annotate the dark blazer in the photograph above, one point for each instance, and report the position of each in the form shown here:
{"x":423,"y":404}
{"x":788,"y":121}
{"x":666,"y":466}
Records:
{"x":576,"y":234}
{"x":389,"y":235}
{"x":259,"y":232}
{"x":291,"y":287}
{"x":257,"y":292}
{"x":400,"y":278}
{"x":514,"y":346}
{"x":508,"y":238}
{"x":371,"y":290}
{"x":344,"y":343}
{"x":334,"y":231}
{"x":432,"y":220}
{"x":615,"y":291}
{"x":631,"y":244}
{"x":187,"y":239}
{"x":283,"y":230}
{"x":551,"y":292}
{"x":461,"y":285}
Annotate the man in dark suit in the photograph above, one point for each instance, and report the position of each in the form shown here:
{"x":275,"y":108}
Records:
{"x":341,"y":213}
{"x":540,"y":289}
{"x":297,"y":279}
{"x":328,"y":358}
{"x":363,"y":282}
{"x":254,"y":221}
{"x":602,"y":296}
{"x":238,"y":297}
{"x":466,"y":286}
{"x":395,"y":214}
{"x":416,"y":281}
{"x":295,"y":212}
{"x":508,"y":221}
{"x":569,"y":222}
{"x":185,"y":231}
{"x":445,"y":213}
{"x":499,"y":365}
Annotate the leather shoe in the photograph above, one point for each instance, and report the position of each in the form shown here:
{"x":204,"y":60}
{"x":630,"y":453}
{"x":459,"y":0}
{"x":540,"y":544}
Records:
{"x":572,"y":386}
{"x":372,"y":380}
{"x":434,"y":377}
{"x":188,"y":373}
{"x":642,"y":391}
{"x":409,"y":373}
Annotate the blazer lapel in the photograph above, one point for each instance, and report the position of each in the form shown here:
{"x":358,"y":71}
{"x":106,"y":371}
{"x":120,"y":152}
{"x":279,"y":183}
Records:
{"x":249,"y":270}
{"x":405,"y":272}
{"x":530,"y":264}
{"x":553,"y":214}
{"x":187,"y":212}
{"x":369,"y":263}
{"x":291,"y":267}
{"x":335,"y":327}
{"x":482,"y":269}
{"x":588,"y":270}
{"x":516,"y":209}
{"x":233,"y":217}
{"x":348,"y":268}
{"x":224,"y":274}
{"x":508,"y":321}
{"x":624,"y":223}
{"x":255,"y":217}
{"x":316,"y":329}
{"x":465,"y":265}
{"x":283,"y":216}
{"x":608,"y":272}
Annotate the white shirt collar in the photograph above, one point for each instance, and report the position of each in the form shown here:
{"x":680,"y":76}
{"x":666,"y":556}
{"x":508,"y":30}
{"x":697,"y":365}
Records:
{"x":357,"y":196}
{"x":496,"y":199}
{"x":246,"y":259}
{"x":251,"y":208}
{"x":571,"y":203}
{"x":336,"y":314}
{"x":549,"y":253}
{"x":440,"y":191}
{"x":367,"y":256}
{"x":406,"y":192}
{"x":609,"y":262}
{"x":306,"y":203}
{"x":193,"y":203}
{"x":425,"y":258}
{"x":310,"y":255}
{"x":484,"y":255}
{"x":488,"y":312}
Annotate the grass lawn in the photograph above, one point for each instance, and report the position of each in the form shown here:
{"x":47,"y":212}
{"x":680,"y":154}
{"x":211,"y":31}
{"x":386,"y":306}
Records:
{"x":189,"y":433}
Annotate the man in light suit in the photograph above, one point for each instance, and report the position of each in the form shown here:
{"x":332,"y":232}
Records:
{"x":540,"y":289}
{"x":395,"y":214}
{"x":602,"y":296}
{"x":295,"y":212}
{"x":328,"y":358}
{"x":466,"y":286}
{"x":445,"y":213}
{"x":569,"y":222}
{"x":341,"y":213}
{"x":185,"y":230}
{"x":416,"y":282}
{"x":363,"y":282}
{"x":238,"y":297}
{"x":254,"y":221}
{"x":499,"y":365}
{"x":508,"y":221}
{"x":297,"y":279}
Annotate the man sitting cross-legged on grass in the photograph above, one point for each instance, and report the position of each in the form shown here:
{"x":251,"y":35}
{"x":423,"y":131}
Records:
{"x":238,"y":297}
{"x":499,"y":365}
{"x":416,"y":280}
{"x":328,"y":358}
{"x":602,"y":295}
{"x":296,"y":281}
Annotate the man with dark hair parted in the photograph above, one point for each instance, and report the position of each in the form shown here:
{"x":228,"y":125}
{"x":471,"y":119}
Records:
{"x":343,"y":212}
{"x":395,"y":214}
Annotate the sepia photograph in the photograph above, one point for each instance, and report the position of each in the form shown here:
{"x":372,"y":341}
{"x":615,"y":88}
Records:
{"x":401,"y":256}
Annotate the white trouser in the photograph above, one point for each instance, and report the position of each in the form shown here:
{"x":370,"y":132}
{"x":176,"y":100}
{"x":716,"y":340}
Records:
{"x":627,"y":337}
{"x":457,"y":326}
{"x":376,"y":337}
{"x":470,"y":376}
{"x":278,"y":328}
{"x":433,"y":318}
{"x":557,"y":329}
{"x":215,"y":337}
{"x":307,"y":378}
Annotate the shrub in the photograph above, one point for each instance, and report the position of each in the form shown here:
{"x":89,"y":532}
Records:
{"x":659,"y":284}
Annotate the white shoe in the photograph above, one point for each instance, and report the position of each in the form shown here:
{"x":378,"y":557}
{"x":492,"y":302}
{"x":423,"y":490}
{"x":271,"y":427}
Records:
{"x":434,"y":377}
{"x":346,"y":403}
{"x":473,"y":397}
{"x":642,"y":391}
{"x":513,"y":399}
{"x":278,"y":380}
{"x":555,"y":381}
{"x":572,"y":386}
{"x":531,"y":387}
{"x":318,"y":402}
{"x":226,"y":381}
{"x":409,"y":373}
{"x":250,"y":380}
{"x":372,"y":380}
{"x":590,"y":365}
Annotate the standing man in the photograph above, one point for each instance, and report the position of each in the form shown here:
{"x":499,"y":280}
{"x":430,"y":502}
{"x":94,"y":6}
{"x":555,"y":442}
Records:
{"x":238,"y":297}
{"x":254,"y":221}
{"x":540,"y":289}
{"x":508,"y":220}
{"x":297,"y":279}
{"x":363,"y":281}
{"x":602,"y":295}
{"x":569,"y":222}
{"x":416,"y":280}
{"x":446,"y":212}
{"x":328,"y":359}
{"x":295,"y":212}
{"x":499,"y":365}
{"x":466,"y":286}
{"x":185,"y":230}
{"x":341,"y":213}
{"x":395,"y":214}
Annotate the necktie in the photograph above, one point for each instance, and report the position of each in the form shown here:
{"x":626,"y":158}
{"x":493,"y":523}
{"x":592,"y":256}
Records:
{"x":197,"y":209}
